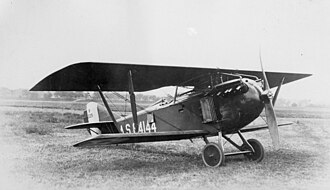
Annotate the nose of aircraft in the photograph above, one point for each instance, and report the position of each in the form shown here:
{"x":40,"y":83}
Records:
{"x":255,"y":91}
{"x":264,"y":97}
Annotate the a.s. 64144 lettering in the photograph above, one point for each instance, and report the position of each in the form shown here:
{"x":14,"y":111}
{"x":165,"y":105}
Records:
{"x":142,"y":128}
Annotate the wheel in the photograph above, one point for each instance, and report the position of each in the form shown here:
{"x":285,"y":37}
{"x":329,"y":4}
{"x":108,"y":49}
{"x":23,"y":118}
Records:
{"x":259,"y":152}
{"x":213,"y":155}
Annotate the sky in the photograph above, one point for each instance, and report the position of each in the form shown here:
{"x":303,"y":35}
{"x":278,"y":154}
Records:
{"x":38,"y":37}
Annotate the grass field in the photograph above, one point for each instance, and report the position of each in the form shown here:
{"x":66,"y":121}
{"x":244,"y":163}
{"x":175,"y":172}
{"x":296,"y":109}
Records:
{"x":36,"y":153}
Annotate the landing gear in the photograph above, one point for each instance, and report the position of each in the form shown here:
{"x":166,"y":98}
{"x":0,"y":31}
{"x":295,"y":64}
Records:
{"x":258,"y":153}
{"x":213,"y":153}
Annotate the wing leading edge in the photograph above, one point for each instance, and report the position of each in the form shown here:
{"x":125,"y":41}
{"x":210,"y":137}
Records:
{"x":113,"y":77}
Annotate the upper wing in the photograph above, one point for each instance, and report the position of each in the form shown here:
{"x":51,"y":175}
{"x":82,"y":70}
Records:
{"x":120,"y":138}
{"x":114,"y":77}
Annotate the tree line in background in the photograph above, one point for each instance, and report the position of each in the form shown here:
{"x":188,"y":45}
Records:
{"x":24,"y":94}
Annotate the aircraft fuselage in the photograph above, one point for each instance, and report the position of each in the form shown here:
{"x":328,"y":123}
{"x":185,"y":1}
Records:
{"x":229,"y":110}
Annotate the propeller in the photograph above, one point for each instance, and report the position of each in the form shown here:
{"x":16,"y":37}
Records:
{"x":267,"y":97}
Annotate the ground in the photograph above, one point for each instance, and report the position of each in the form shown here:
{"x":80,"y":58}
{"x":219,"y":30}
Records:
{"x":36,"y":153}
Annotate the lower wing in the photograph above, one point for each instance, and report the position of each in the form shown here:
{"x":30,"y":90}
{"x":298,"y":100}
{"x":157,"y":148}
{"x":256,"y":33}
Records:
{"x":261,"y":127}
{"x":121,"y":138}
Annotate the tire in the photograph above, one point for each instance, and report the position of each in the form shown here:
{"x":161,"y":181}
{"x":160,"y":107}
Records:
{"x":259,"y":152}
{"x":212,"y":155}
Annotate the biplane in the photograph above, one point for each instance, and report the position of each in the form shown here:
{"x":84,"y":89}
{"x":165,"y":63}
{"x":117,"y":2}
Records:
{"x":220,"y":102}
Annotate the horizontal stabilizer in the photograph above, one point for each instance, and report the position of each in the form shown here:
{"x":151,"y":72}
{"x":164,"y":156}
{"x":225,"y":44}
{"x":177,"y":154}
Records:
{"x":261,"y":127}
{"x":101,"y":124}
{"x":121,"y":138}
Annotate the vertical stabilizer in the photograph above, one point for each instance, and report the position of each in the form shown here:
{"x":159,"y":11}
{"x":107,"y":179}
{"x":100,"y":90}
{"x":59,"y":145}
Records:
{"x":93,"y":117}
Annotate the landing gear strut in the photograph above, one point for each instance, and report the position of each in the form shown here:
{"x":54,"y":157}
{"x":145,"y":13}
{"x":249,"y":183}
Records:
{"x":258,"y":153}
{"x":213,"y":153}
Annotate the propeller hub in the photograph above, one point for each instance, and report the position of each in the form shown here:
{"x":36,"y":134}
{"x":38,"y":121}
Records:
{"x":266,"y":96}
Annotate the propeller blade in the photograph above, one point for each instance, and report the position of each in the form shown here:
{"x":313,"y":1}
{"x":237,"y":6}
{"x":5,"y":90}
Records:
{"x":277,"y":91}
{"x":266,"y":85}
{"x":269,"y":109}
{"x":272,"y":125}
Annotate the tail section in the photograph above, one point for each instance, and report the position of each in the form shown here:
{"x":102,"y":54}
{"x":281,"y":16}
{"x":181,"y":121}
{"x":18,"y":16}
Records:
{"x":92,"y":117}
{"x":96,"y":113}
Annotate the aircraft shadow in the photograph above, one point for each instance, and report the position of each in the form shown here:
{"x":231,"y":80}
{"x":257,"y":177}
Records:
{"x":164,"y":161}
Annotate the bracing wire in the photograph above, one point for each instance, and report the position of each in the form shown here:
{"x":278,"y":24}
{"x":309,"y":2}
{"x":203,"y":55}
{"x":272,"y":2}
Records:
{"x":113,"y":104}
{"x":126,"y":99}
